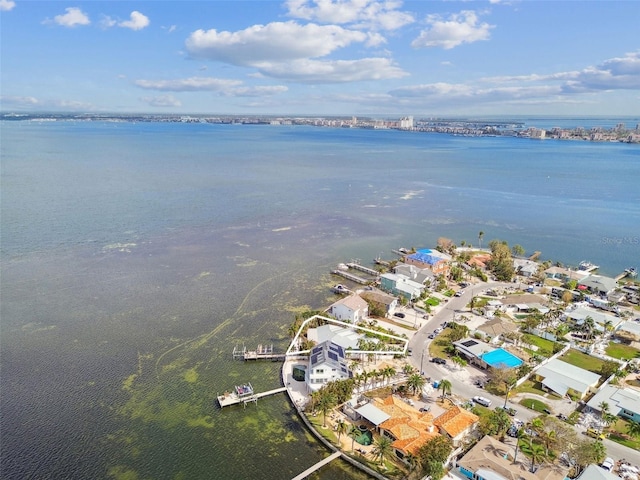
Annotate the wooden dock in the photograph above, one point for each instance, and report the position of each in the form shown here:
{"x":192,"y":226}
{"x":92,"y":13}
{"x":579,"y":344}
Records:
{"x":263,"y":352}
{"x":233,"y":399}
{"x":362,"y":268}
{"x":351,"y":276}
{"x":317,"y":466}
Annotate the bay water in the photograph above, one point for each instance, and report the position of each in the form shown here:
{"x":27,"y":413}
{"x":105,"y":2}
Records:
{"x":135,"y":256}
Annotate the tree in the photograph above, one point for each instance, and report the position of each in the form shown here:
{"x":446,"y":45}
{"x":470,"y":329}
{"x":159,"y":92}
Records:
{"x":458,"y":331}
{"x":341,"y":427}
{"x":496,"y":423}
{"x":382,"y":448}
{"x":353,"y":433}
{"x":433,"y":454}
{"x":480,"y":237}
{"x":535,"y":452}
{"x":459,"y":361}
{"x":501,"y":263}
{"x":518,"y":250}
{"x":633,"y":429}
{"x":445,"y":386}
{"x":324,"y":402}
{"x":415,"y":382}
{"x":608,"y":368}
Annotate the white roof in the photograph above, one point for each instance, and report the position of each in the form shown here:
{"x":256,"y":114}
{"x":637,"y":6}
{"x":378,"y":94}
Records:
{"x":373,"y":414}
{"x":631,"y":327}
{"x":580,"y":313}
{"x":560,"y":376}
{"x":594,"y":472}
{"x":621,"y":398}
{"x":345,"y":337}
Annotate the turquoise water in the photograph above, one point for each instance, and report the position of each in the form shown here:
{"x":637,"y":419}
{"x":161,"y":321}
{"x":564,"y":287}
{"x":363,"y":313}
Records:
{"x":500,"y":357}
{"x":136,"y":256}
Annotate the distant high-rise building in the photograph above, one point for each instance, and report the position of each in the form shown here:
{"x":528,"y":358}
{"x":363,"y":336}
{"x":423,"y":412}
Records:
{"x":406,"y":123}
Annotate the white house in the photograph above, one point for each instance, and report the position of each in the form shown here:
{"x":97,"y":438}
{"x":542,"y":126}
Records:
{"x":624,"y":402}
{"x":344,"y":337}
{"x":327,"y":363}
{"x":350,"y":309}
{"x":562,"y":378}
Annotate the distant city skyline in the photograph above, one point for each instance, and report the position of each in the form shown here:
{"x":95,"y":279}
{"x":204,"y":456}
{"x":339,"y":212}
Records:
{"x":322,"y":57}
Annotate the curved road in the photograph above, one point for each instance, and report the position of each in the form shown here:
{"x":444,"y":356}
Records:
{"x":420,"y":359}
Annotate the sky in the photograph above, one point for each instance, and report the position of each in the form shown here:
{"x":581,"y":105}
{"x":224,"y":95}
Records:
{"x":321,"y":57}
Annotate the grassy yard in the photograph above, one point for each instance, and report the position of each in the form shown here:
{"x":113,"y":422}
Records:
{"x":534,"y":404}
{"x":582,"y":360}
{"x":618,"y":433}
{"x":620,"y":351}
{"x":545,"y":347}
{"x":432,"y":301}
{"x":529,"y":386}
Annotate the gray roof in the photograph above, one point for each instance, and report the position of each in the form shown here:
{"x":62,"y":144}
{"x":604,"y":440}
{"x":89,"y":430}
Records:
{"x":580,"y":313}
{"x":560,"y":376}
{"x":472,"y":347}
{"x":373,"y":414}
{"x":620,"y":398}
{"x":599,"y":283}
{"x":594,"y":472}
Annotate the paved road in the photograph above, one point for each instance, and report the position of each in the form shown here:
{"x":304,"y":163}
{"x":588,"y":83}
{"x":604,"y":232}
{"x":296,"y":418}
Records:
{"x":465,"y":388}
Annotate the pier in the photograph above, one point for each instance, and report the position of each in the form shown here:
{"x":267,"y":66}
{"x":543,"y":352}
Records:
{"x":245,"y":394}
{"x":351,"y":276}
{"x":317,"y":466}
{"x":362,"y":268}
{"x":263,"y":352}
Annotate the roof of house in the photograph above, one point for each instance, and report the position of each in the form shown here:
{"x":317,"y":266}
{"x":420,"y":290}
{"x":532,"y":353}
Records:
{"x":373,"y":414}
{"x":344,"y":337}
{"x":497,"y":327}
{"x":560,"y":376}
{"x":455,"y":421}
{"x":599,"y":283}
{"x":472,"y":347}
{"x":594,"y":472}
{"x":631,"y":327}
{"x":579,"y":313}
{"x":379,"y":297}
{"x":352,"y":302}
{"x":330,"y":354}
{"x":492,"y":460}
{"x":429,"y":257}
{"x":616,"y":397}
{"x":480,"y":260}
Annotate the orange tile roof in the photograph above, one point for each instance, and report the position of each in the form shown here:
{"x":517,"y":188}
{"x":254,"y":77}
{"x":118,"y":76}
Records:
{"x":455,"y":421}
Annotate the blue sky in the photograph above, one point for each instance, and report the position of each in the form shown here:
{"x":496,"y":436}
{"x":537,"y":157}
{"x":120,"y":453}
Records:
{"x":322,"y":57}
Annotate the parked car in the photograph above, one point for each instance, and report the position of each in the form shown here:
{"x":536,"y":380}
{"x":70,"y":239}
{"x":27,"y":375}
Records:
{"x":547,"y":411}
{"x":479,"y":384}
{"x":439,"y":361}
{"x":485,"y":402}
{"x":459,"y":293}
{"x":562,"y":417}
{"x":513,"y":431}
{"x":595,"y":433}
{"x":510,"y":411}
{"x":399,"y":315}
{"x":432,"y":335}
{"x":607,"y":464}
{"x":425,"y":409}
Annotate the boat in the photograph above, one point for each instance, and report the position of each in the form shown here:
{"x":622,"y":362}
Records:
{"x":631,"y":272}
{"x":339,"y":288}
{"x":239,"y":394}
{"x":585,"y":266}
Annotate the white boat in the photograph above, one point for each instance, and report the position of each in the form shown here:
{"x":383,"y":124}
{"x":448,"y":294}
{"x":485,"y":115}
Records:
{"x":339,"y":288}
{"x":631,"y":272}
{"x":585,"y":266}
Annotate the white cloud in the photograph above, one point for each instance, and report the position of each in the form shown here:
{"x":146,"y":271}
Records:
{"x":107,"y":22}
{"x":193,"y":84}
{"x":372,"y":14}
{"x":460,"y":28}
{"x":162,"y":101}
{"x":16,"y":101}
{"x":337,"y":71}
{"x":72,"y":18}
{"x":6,"y":5}
{"x":137,"y":21}
{"x":260,"y":91}
{"x":274,"y":42}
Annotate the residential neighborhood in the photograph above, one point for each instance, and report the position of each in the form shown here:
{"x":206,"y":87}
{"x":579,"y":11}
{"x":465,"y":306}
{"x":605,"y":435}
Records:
{"x":494,"y":365}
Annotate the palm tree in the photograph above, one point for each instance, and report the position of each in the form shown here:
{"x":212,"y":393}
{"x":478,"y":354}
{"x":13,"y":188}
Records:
{"x":535,"y":451}
{"x":633,"y":429}
{"x":445,"y":386}
{"x":353,"y":432}
{"x":382,"y":448}
{"x":407,"y":369}
{"x":412,"y":460}
{"x":341,"y":427}
{"x":325,"y":403}
{"x":480,"y":236}
{"x":415,"y":383}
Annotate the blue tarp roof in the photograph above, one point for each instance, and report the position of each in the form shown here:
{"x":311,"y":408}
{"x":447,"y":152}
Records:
{"x":426,"y":256}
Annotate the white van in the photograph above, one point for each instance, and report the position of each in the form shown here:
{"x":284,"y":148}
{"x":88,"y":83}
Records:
{"x":485,"y":402}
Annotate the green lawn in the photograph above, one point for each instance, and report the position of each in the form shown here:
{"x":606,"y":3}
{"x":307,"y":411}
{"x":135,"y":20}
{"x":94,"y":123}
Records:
{"x":619,"y":351}
{"x":529,"y":386}
{"x":618,"y":433}
{"x":582,"y":360}
{"x":534,"y":404}
{"x":545,"y":347}
{"x":432,"y":301}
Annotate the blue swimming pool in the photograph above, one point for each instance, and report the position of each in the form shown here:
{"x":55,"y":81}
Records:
{"x":500,"y":358}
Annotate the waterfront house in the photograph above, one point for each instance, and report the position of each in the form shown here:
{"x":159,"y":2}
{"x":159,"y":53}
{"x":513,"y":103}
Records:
{"x":598,"y":284}
{"x":350,"y":309}
{"x":406,"y":427}
{"x":423,"y":276}
{"x":401,"y":286}
{"x":344,"y":337}
{"x":624,"y":402}
{"x":524,"y":267}
{"x":455,"y":424}
{"x":327,"y":363}
{"x":562,"y":378}
{"x":491,"y":459}
{"x":434,"y":260}
{"x":384,"y":301}
{"x":563,"y":274}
